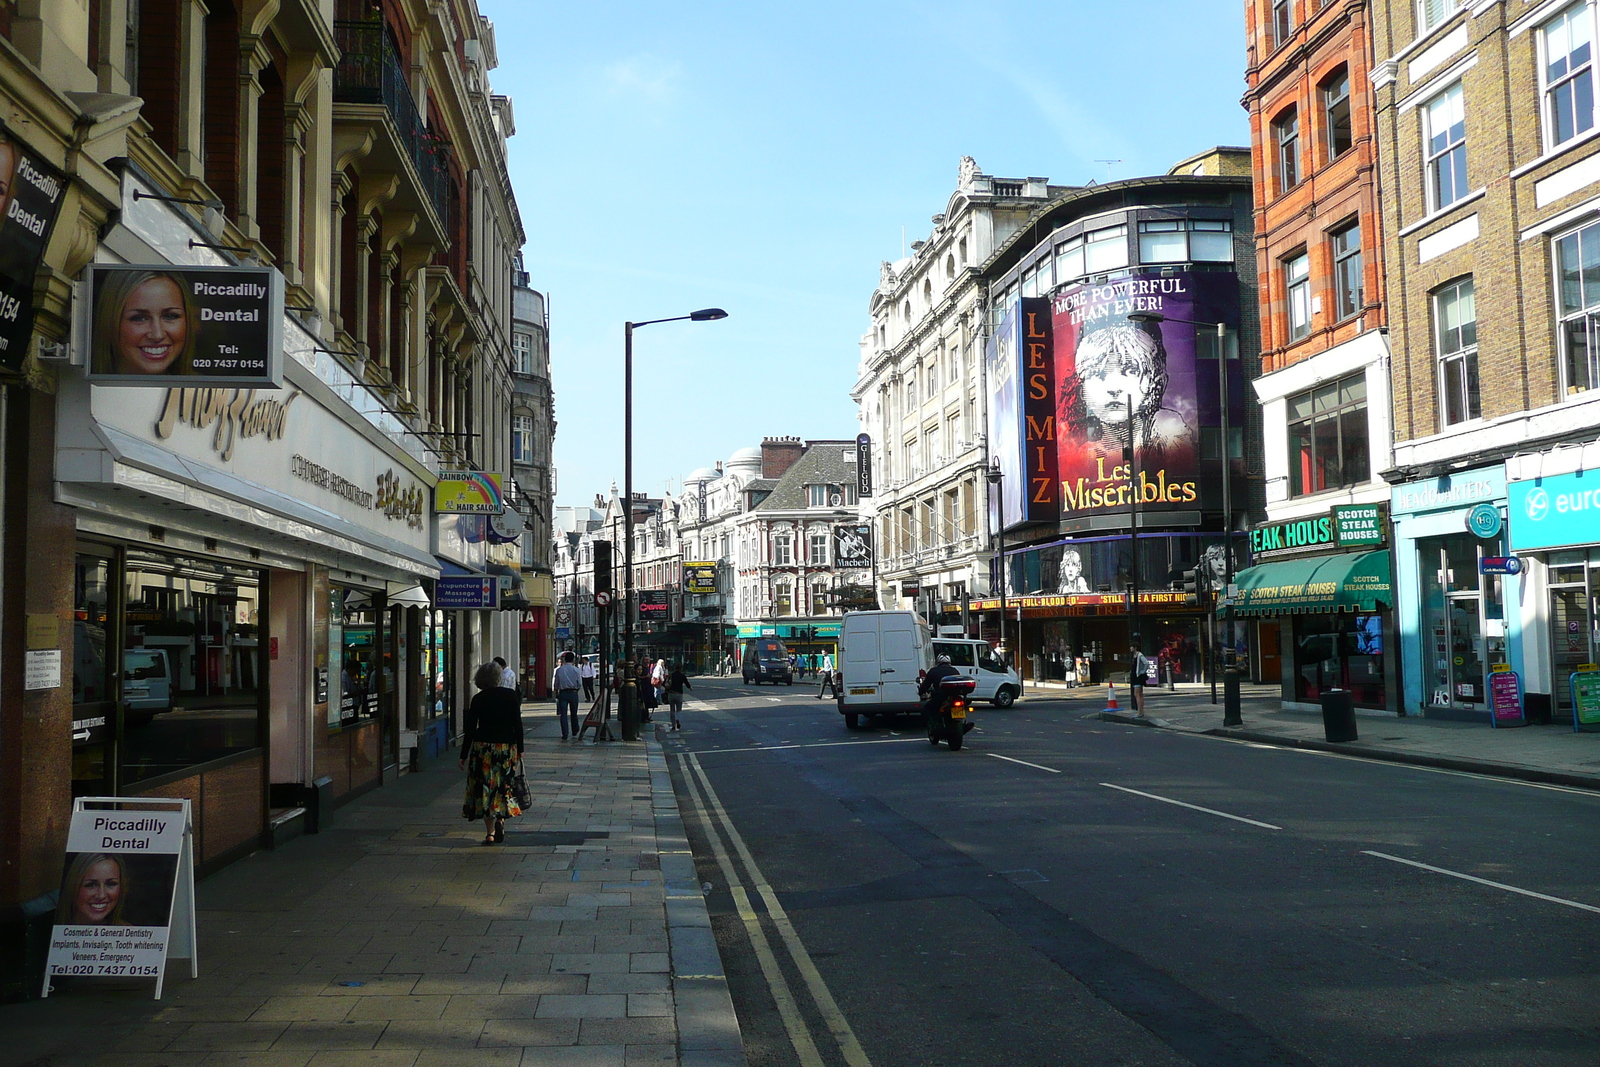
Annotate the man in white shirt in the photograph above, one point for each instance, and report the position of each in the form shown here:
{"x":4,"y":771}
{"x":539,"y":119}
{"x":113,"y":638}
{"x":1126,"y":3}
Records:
{"x":586,"y":672}
{"x":565,"y":682}
{"x":508,"y":677}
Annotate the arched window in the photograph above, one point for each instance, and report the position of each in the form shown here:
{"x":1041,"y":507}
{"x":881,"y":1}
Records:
{"x":950,"y":266}
{"x":1286,"y":135}
{"x":1335,"y":92}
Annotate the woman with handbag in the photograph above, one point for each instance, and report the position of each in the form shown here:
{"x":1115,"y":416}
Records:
{"x":491,"y":754}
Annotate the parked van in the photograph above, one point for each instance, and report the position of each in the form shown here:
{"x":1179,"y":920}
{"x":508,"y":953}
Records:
{"x":997,"y":683}
{"x":882,"y":657}
{"x":146,"y":682}
{"x":766,"y":659}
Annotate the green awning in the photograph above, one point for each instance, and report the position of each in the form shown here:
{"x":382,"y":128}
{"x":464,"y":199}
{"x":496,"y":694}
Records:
{"x":1359,"y":581}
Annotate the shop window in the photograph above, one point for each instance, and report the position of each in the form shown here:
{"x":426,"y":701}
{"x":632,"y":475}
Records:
{"x":1455,"y":319}
{"x":1328,"y":446}
{"x":1336,"y":113}
{"x":1578,"y":283}
{"x":1339,"y":651}
{"x":1568,"y":74}
{"x":190,"y":662}
{"x":1459,"y":637}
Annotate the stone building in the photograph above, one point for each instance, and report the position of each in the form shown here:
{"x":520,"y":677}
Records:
{"x":533,"y":429}
{"x":1490,"y":178}
{"x":1324,"y":388}
{"x":229,"y":595}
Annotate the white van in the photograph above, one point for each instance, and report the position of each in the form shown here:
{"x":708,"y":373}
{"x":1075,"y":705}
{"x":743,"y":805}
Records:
{"x":997,"y":683}
{"x":146,"y":681}
{"x":882,"y":658}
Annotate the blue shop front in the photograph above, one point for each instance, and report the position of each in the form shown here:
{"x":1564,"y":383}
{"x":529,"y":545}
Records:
{"x":1452,"y":619}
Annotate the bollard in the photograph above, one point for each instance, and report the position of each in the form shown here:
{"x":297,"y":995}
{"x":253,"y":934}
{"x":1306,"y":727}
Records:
{"x":628,"y":710}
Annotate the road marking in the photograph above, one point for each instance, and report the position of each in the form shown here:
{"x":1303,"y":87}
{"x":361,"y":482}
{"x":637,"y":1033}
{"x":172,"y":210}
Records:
{"x":850,"y":1048}
{"x":782,"y":996}
{"x":817,"y":744}
{"x":1481,"y":881}
{"x":1194,"y":807}
{"x":1025,"y":763}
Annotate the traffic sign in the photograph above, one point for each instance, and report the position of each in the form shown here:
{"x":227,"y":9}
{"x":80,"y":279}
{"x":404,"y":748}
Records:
{"x":602,"y":599}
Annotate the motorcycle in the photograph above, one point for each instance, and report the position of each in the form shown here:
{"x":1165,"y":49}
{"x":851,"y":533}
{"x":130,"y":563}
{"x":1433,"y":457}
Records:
{"x":951,"y":721}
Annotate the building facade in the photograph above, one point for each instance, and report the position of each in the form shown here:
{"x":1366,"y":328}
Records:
{"x":1324,"y":389}
{"x":1489,"y":164}
{"x":533,"y":430}
{"x":231,"y":594}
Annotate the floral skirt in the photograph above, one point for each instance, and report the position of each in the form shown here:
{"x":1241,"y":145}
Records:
{"x":490,"y":772}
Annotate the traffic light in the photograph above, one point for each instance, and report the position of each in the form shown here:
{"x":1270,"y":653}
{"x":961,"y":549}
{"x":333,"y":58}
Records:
{"x":602,"y":566}
{"x":1191,"y":585}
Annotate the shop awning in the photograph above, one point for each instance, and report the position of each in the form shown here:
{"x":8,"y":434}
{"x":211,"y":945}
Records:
{"x":1359,"y":581}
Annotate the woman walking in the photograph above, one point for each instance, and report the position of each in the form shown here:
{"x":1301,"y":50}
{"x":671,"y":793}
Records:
{"x":491,"y":753}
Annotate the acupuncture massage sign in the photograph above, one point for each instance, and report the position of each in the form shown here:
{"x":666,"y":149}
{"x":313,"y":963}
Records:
{"x":126,"y":901}
{"x":182,"y":326}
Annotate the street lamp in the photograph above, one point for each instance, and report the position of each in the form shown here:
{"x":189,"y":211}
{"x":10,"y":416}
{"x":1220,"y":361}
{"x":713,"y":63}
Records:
{"x":1231,"y":715}
{"x":996,"y":477}
{"x":627,"y":705}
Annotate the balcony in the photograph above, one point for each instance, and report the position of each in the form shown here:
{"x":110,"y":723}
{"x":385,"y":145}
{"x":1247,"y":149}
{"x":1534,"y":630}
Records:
{"x":369,"y":75}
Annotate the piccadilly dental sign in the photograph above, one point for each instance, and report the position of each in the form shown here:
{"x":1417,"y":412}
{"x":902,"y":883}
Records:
{"x":1556,"y":510}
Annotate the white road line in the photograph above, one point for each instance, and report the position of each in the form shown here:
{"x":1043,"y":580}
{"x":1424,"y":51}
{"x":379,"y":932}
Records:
{"x":1025,"y":763}
{"x":1481,"y":881}
{"x":1193,"y":807}
{"x":785,"y":745}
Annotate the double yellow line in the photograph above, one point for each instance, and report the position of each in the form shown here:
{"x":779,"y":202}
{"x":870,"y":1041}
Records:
{"x":718,"y":825}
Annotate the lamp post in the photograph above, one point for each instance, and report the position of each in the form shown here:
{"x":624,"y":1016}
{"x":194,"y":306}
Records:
{"x":627,"y":705}
{"x":1231,"y":713}
{"x":996,"y":478}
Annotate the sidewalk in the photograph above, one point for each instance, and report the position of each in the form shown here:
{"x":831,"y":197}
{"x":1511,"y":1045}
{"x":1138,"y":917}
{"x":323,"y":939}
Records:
{"x":394,"y":939}
{"x":1552,"y":754}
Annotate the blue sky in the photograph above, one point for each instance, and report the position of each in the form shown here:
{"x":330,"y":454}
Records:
{"x":764,"y":158}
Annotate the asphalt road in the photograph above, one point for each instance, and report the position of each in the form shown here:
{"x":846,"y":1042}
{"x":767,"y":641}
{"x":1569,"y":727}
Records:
{"x":1044,"y":896}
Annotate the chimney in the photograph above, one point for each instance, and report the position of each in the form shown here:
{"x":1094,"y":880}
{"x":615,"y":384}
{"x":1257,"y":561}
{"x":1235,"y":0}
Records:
{"x":778,"y":454}
{"x":719,"y":466}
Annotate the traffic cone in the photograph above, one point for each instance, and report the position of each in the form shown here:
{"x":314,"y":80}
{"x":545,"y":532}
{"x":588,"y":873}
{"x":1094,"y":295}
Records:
{"x":1111,"y":697}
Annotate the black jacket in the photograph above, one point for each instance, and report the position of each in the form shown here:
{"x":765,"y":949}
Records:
{"x":494,"y":717}
{"x":931,"y":680}
{"x":677,"y":681}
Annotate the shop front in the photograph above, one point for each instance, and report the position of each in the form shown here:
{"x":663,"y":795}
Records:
{"x":1450,"y":614}
{"x":246,"y":598}
{"x":1320,"y":600}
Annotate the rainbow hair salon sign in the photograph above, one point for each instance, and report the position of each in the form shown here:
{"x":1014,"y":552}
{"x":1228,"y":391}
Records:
{"x":468,"y":492}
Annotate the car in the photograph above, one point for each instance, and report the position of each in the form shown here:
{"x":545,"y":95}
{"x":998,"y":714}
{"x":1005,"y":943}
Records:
{"x":997,"y":683}
{"x":766,"y":659}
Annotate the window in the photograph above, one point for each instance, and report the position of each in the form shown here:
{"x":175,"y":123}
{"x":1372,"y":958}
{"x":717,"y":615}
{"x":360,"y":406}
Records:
{"x":782,"y":551}
{"x":522,"y":353}
{"x":1286,"y":132}
{"x":1456,"y":318}
{"x":782,"y":600}
{"x":819,"y":550}
{"x":1282,"y":21}
{"x":1069,"y":260}
{"x":1030,"y":282}
{"x":1568,"y":74}
{"x":1336,"y":113}
{"x":911,"y":391}
{"x":1578,"y":274}
{"x":931,"y":373}
{"x":819,"y":598}
{"x":1328,"y":436}
{"x":1348,"y":293}
{"x":961,"y":246}
{"x":522,"y":439}
{"x":1445,"y":133}
{"x":1186,"y":241}
{"x":1436,"y":11}
{"x":1297,"y":284}
{"x":1105,"y":250}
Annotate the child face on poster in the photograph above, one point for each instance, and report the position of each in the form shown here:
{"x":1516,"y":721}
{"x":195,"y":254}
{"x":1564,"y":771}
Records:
{"x":1118,"y":363}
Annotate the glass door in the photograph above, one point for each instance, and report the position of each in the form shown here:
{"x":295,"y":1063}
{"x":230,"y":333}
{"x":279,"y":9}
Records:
{"x":1455,"y":655}
{"x":1572,"y":624}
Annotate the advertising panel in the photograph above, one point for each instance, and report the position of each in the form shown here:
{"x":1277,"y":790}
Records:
{"x":653,"y":604}
{"x":475,"y":492}
{"x":700,"y":577}
{"x":466,"y":592}
{"x":1108,"y":369}
{"x":852,"y":546}
{"x":863,"y":465}
{"x":1005,"y":416}
{"x":1554,"y":511}
{"x":167,"y":325}
{"x":31,"y":192}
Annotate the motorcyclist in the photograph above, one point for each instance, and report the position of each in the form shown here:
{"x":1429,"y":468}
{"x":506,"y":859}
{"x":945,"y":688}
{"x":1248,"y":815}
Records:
{"x":930,"y":690}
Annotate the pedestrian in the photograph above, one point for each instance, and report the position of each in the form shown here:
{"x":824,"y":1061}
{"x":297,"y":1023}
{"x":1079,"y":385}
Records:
{"x":491,"y":754}
{"x":829,"y":684}
{"x":508,"y":677}
{"x":586,"y":673}
{"x":677,"y":682}
{"x":565,"y":682}
{"x":1138,"y":674}
{"x":658,"y":679}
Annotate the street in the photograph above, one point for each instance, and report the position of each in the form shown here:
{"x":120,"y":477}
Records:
{"x":1070,"y":891}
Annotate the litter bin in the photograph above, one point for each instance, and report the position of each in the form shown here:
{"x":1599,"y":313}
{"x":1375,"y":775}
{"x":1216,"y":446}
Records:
{"x":1339,"y":715}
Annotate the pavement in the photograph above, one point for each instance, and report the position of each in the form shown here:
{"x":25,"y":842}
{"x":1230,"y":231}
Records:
{"x":1552,"y":754}
{"x":393,"y":938}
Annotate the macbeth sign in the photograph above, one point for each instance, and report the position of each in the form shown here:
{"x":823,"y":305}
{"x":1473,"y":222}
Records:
{"x":160,"y":324}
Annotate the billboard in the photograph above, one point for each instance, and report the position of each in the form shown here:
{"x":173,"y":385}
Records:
{"x":179,"y":326}
{"x":700,"y":578}
{"x":852,"y":546}
{"x":471,"y":492}
{"x":653,"y":604}
{"x":1001,"y":355}
{"x":31,"y":192}
{"x":1117,"y":380}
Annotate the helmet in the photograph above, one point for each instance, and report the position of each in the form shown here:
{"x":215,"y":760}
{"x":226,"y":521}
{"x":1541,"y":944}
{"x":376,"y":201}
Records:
{"x":945,"y":660}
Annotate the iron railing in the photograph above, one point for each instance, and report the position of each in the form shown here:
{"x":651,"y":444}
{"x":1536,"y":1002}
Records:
{"x":370,"y":72}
